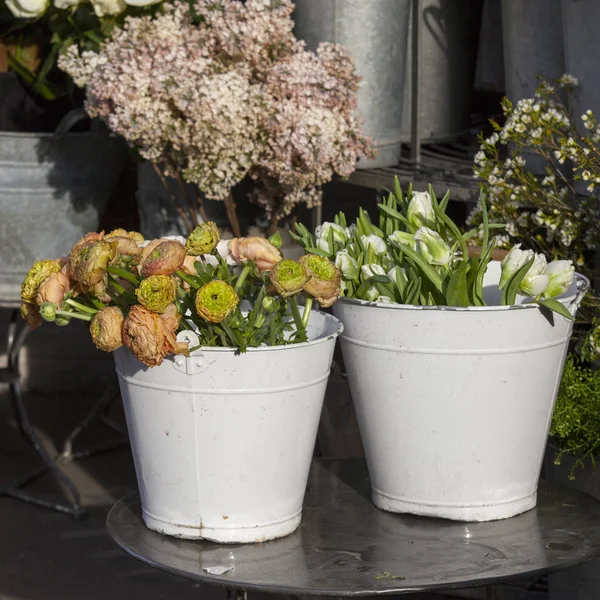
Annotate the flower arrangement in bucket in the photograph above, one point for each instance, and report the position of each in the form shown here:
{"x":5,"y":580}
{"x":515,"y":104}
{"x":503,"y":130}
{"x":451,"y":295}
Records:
{"x":453,"y":359}
{"x":213,"y":93}
{"x":208,"y":336}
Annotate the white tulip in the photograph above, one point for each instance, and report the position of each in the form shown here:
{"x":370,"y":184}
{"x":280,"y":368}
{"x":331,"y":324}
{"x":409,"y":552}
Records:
{"x":561,"y":273}
{"x":432,"y":247}
{"x":66,"y":3}
{"x":367,"y":271}
{"x":375,"y":242}
{"x":104,"y":8}
{"x":142,"y":2}
{"x":27,"y":9}
{"x":372,"y":294}
{"x":340,"y":234}
{"x":420,"y":209}
{"x":347,"y":266}
{"x":512,"y":262}
{"x":536,"y":280}
{"x":401,"y":237}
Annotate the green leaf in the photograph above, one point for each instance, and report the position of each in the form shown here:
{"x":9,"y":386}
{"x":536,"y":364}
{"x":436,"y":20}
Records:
{"x":398,"y":195}
{"x":396,"y":215}
{"x":486,"y":223}
{"x":413,"y":291}
{"x":457,"y":291}
{"x":428,"y":271}
{"x":318,"y":252}
{"x":509,"y":293}
{"x":444,"y":201}
{"x":473,"y":232}
{"x":558,"y":307}
{"x":454,"y":230}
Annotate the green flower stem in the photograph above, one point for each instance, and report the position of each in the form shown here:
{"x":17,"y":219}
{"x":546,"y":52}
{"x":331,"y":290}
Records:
{"x":297,"y":317}
{"x":242,"y":277}
{"x":124,"y":295}
{"x":64,"y":313}
{"x":123,"y":274}
{"x":81,"y":307}
{"x":229,"y":333}
{"x":307,"y":308}
{"x":95,"y":302}
{"x":188,"y":279}
{"x":113,"y":283}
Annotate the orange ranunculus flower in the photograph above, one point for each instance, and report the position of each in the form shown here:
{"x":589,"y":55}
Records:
{"x":259,"y":250}
{"x":126,"y":246}
{"x":215,"y":301}
{"x":188,"y":265}
{"x":105,"y":329}
{"x":31,"y":315}
{"x":150,"y":336}
{"x":161,"y":257}
{"x":132,"y":235}
{"x":88,"y":261}
{"x":40,"y":271}
{"x":53,"y":289}
{"x":324,"y":282}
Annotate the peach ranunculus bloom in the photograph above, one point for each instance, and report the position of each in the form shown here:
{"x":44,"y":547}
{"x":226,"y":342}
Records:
{"x":257,"y":249}
{"x":150,"y":336}
{"x":53,"y":289}
{"x":105,"y":329}
{"x":161,"y":257}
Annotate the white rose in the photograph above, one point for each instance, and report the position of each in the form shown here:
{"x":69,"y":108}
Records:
{"x":27,"y":9}
{"x":402,"y":237}
{"x":375,"y":242}
{"x":536,"y":280}
{"x":103,"y":8}
{"x":561,"y":274}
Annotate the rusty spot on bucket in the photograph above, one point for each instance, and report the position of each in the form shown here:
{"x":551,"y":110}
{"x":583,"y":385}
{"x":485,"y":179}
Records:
{"x":225,"y":517}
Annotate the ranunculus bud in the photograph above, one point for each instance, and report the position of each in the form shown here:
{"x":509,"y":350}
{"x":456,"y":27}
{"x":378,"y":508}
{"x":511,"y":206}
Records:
{"x":259,"y":250}
{"x":105,"y":329}
{"x":88,"y":262}
{"x":40,"y":271}
{"x":375,"y":242}
{"x":215,"y":301}
{"x":420,"y":210}
{"x":512,"y":262}
{"x":150,"y":336}
{"x":288,"y":277}
{"x":156,"y":292}
{"x":31,"y":315}
{"x":324,"y":282}
{"x":561,"y":273}
{"x":346,"y":264}
{"x":536,"y":280}
{"x":270,"y":304}
{"x":432,"y":247}
{"x":203,"y":239}
{"x":53,"y":289}
{"x":164,"y":257}
{"x":189,"y":265}
{"x":48,"y":311}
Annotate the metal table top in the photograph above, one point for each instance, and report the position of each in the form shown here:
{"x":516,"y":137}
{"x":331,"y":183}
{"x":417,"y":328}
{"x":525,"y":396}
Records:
{"x":347,"y":547}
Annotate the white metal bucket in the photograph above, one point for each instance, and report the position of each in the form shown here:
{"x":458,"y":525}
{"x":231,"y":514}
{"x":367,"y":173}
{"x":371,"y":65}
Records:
{"x":454,"y":404}
{"x":222,"y":443}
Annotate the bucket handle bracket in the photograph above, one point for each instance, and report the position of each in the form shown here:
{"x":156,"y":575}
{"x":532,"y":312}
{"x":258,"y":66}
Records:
{"x":196,"y":362}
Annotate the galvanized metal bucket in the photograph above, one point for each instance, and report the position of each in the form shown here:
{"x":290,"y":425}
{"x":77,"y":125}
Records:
{"x":53,"y":190}
{"x":454,"y":404}
{"x":375,"y":32}
{"x":222,"y":442}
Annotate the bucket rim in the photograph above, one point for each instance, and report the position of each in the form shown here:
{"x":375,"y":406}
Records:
{"x":582,"y":282}
{"x":49,"y":135}
{"x":339,"y":329}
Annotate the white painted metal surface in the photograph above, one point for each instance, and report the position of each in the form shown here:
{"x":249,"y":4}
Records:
{"x":454,"y":405}
{"x":222,"y":444}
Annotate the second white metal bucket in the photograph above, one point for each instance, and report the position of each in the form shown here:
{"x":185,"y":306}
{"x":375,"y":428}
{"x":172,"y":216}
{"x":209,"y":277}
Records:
{"x":454,"y":404}
{"x":222,"y":442}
